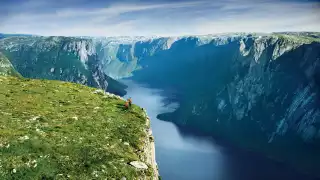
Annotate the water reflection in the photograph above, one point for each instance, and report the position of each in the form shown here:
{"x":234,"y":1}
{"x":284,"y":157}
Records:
{"x":181,"y":155}
{"x":178,"y":157}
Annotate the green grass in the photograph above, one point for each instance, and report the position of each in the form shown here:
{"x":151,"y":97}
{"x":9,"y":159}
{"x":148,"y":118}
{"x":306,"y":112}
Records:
{"x":6,"y":67}
{"x":60,"y":130}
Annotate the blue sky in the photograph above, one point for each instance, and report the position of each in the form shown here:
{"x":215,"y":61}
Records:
{"x":156,"y":17}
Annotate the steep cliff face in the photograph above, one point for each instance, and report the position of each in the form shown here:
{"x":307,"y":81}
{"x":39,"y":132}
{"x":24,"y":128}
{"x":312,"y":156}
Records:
{"x":6,"y":67}
{"x":258,"y":91}
{"x":58,"y":58}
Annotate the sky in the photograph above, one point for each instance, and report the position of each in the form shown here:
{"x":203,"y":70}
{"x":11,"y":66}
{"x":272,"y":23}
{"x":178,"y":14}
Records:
{"x":156,"y":17}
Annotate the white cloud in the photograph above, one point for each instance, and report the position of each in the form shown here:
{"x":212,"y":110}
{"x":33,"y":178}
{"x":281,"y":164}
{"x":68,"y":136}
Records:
{"x":199,"y":17}
{"x":264,"y":17}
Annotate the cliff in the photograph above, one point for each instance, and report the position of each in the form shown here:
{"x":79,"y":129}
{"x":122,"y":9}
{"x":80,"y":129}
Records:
{"x":257,"y":91}
{"x":57,"y":58}
{"x":59,"y":130}
{"x":6,"y":67}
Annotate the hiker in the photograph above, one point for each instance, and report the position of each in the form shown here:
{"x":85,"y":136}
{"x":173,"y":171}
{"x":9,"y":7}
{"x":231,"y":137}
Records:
{"x":126,"y":105}
{"x":130,"y":101}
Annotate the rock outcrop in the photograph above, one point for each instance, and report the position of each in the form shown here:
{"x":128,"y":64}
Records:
{"x":149,"y":148}
{"x":6,"y":67}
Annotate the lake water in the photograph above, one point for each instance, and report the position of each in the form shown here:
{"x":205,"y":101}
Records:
{"x":191,"y":157}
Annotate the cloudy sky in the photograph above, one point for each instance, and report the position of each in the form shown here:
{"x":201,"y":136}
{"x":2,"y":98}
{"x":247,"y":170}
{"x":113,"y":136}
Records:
{"x":156,"y":17}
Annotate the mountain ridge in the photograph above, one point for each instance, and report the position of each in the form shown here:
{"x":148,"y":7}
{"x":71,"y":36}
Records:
{"x":190,"y":35}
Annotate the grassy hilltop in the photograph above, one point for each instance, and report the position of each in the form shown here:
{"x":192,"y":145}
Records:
{"x":60,"y":130}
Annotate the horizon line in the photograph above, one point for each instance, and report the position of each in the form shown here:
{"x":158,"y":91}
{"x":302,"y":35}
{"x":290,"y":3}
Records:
{"x":161,"y":36}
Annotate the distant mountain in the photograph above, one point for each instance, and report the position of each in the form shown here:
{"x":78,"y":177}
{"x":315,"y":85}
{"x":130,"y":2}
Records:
{"x":11,"y":35}
{"x":57,"y":58}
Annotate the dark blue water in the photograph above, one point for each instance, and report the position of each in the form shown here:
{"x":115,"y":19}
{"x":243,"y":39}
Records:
{"x":192,"y":157}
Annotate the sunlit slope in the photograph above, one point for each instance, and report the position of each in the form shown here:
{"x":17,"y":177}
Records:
{"x":60,"y":130}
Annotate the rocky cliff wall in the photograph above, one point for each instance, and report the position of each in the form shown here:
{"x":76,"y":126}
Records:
{"x":6,"y":68}
{"x":58,"y":58}
{"x":258,"y":92}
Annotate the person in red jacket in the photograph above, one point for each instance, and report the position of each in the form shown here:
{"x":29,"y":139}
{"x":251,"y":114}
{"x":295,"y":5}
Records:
{"x":126,"y":105}
{"x":130,"y":102}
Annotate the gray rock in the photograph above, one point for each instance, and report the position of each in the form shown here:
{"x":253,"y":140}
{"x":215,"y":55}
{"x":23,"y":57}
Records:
{"x":138,"y":165}
{"x":99,"y":91}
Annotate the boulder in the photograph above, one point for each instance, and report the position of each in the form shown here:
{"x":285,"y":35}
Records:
{"x":138,"y":165}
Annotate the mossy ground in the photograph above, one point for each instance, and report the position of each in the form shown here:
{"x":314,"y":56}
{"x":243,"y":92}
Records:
{"x":60,"y":130}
